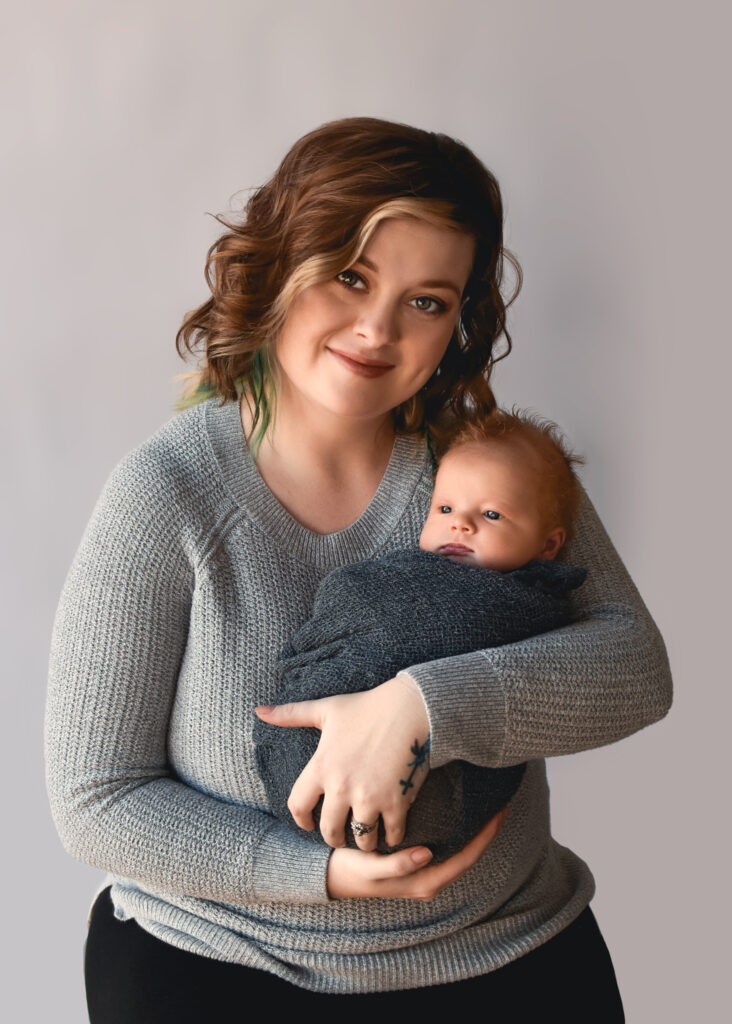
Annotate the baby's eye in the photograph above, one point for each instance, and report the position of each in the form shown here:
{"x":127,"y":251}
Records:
{"x":491,"y":514}
{"x":445,"y":509}
{"x":426,"y":304}
{"x":349,"y":278}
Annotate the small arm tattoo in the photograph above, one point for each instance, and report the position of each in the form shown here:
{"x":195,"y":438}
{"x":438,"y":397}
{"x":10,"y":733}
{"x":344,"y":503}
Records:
{"x":421,"y":753}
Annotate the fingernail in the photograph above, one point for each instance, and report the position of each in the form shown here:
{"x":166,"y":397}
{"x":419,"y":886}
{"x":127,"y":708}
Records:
{"x":421,"y":856}
{"x":266,"y":708}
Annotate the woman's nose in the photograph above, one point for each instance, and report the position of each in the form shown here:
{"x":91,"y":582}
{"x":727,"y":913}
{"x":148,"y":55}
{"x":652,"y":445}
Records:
{"x":377,"y":324}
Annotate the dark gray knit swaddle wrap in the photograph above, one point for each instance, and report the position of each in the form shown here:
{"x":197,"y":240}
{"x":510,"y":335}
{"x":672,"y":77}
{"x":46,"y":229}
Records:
{"x":372,"y":619}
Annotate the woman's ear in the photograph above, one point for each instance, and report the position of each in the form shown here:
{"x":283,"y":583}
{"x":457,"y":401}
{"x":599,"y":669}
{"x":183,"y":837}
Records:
{"x":553,"y":542}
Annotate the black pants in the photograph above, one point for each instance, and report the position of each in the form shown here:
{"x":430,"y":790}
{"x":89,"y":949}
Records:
{"x":134,"y":978}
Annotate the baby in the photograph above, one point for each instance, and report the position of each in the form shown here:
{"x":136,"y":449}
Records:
{"x":504,"y":500}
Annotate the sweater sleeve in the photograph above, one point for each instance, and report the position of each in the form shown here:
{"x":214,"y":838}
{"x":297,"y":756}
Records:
{"x":590,"y":683}
{"x":118,"y":641}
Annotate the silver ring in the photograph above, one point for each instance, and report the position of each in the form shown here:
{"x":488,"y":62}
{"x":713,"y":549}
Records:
{"x":360,"y":828}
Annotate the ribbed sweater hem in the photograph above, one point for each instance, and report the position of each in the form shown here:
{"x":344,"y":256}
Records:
{"x":479,"y":949}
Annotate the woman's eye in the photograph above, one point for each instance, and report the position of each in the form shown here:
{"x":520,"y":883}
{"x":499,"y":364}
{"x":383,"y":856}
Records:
{"x":491,"y":514}
{"x":428,"y":305}
{"x":349,"y":278}
{"x":445,"y":509}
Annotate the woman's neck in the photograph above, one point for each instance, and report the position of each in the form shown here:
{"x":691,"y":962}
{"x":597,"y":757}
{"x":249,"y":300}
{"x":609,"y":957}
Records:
{"x":323,"y":469}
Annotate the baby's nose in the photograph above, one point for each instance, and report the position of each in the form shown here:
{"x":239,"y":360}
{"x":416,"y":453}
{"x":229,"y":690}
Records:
{"x":462,"y":525}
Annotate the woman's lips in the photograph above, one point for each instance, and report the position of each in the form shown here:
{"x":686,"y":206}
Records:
{"x":361,"y":369}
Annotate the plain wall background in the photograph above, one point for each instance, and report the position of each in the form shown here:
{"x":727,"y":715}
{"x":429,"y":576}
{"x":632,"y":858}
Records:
{"x":123,"y":123}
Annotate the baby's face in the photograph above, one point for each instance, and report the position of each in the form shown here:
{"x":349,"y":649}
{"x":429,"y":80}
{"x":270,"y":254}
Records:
{"x":486,"y":509}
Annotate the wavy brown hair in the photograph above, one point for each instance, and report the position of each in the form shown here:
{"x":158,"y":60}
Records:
{"x":310,"y":222}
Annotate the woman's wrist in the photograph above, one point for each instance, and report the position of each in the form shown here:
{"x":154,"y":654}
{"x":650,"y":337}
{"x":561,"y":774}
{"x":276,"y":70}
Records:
{"x":288,"y":868}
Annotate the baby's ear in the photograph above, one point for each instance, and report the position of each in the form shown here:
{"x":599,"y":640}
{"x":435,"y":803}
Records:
{"x":553,"y":542}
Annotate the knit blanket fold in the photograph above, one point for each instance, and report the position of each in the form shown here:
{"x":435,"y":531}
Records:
{"x":372,"y":619}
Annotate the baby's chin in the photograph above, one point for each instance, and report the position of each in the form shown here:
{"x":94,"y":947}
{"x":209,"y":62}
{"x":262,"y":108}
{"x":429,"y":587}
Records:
{"x":466,"y":559}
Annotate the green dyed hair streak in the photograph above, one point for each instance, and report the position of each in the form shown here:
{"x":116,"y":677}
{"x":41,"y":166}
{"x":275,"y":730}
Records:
{"x":258,"y":382}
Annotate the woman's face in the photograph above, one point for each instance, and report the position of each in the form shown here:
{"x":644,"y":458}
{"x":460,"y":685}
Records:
{"x":367,"y":340}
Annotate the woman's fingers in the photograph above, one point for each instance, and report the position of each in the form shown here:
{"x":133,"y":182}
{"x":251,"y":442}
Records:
{"x":304,"y":713}
{"x":394,"y":826}
{"x":352,"y":873}
{"x":398,"y":866}
{"x":436,"y":877}
{"x":364,"y":825}
{"x":304,"y":795}
{"x":333,"y":817}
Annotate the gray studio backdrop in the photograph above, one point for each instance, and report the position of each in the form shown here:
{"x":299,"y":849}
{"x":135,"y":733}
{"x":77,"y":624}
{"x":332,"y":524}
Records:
{"x":124,"y":123}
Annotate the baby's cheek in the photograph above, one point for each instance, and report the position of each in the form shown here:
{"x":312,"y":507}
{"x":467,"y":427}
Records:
{"x":427,"y":537}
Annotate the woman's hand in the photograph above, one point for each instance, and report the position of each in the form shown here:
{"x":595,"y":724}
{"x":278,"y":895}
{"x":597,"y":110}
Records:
{"x":371,"y":759}
{"x":403,"y":875}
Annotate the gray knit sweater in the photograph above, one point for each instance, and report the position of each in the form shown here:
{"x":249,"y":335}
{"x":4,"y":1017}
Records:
{"x":188,"y":580}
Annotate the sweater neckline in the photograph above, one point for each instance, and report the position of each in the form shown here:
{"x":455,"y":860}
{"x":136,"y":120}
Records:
{"x":407,"y":464}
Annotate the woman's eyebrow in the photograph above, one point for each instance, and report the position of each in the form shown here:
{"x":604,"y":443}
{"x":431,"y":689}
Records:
{"x":450,"y":285}
{"x":370,"y":265}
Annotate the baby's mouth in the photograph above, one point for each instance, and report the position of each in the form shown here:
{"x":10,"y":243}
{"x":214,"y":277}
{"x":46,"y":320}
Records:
{"x":455,"y":549}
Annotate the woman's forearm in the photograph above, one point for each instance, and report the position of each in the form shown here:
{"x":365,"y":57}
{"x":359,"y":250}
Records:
{"x":118,"y":642}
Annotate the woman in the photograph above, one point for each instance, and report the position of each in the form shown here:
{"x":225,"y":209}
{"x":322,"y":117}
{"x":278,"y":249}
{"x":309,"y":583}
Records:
{"x":356,"y":307}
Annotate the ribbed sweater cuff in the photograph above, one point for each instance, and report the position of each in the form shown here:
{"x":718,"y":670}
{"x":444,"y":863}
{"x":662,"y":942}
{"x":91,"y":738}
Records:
{"x":465,"y":705}
{"x":290,"y":869}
